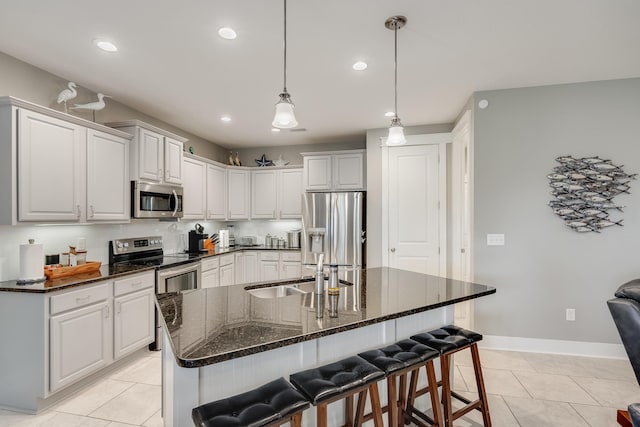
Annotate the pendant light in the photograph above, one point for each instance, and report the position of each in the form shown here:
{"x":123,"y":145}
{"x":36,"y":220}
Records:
{"x":285,"y":118}
{"x":396,"y":131}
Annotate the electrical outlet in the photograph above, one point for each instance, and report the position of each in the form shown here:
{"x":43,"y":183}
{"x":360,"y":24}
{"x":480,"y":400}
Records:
{"x":495,"y":239}
{"x":571,"y":314}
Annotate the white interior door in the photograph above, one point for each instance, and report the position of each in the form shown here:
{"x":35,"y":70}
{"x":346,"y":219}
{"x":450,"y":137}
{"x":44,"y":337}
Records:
{"x":413,"y":205}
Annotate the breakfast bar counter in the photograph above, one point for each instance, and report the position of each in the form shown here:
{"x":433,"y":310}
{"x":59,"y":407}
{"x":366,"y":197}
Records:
{"x":226,"y":340}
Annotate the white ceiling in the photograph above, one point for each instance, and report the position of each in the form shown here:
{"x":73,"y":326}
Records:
{"x":172,"y":64}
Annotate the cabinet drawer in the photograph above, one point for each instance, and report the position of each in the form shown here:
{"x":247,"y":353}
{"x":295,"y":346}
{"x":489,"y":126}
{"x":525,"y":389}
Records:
{"x":226,"y":259}
{"x":210,"y":263}
{"x":79,"y":298}
{"x":290,"y":256}
{"x":134,"y":283}
{"x":269,"y":256}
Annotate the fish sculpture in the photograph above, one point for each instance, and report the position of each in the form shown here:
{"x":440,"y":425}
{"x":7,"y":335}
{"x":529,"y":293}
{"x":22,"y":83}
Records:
{"x":584,"y":189}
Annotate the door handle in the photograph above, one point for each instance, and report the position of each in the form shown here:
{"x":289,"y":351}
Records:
{"x":392,"y":249}
{"x":175,"y":195}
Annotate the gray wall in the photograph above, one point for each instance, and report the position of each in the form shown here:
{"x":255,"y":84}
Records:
{"x":545,"y":267}
{"x":374,"y":185}
{"x":33,"y":84}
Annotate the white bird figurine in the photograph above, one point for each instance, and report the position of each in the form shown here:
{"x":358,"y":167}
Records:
{"x":67,"y":95}
{"x":93,"y":106}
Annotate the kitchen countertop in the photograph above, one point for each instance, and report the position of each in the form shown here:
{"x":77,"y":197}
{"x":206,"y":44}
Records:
{"x":108,"y":272}
{"x":208,"y":326}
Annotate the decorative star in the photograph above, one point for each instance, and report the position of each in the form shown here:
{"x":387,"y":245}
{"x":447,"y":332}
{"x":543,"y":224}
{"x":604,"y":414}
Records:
{"x":262,"y":162}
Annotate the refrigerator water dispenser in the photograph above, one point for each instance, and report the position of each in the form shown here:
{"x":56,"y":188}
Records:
{"x":316,"y":240}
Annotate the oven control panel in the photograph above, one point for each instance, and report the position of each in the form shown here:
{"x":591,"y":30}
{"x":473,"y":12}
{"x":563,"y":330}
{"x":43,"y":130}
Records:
{"x":136,"y":244}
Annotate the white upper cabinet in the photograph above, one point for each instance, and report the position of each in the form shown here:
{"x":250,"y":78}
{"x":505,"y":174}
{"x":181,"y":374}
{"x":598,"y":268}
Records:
{"x":156,"y":155}
{"x":348,"y":171}
{"x":50,"y":170}
{"x":276,"y":194}
{"x":173,"y":150}
{"x":238,"y":193}
{"x":336,"y":171}
{"x":216,"y":192}
{"x":55,"y":167}
{"x":194,"y":201}
{"x":149,"y":155}
{"x":108,"y":188}
{"x":264,"y":194}
{"x":317,"y":173}
{"x":290,"y":193}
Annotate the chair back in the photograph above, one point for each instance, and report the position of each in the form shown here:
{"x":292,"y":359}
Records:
{"x":625,"y":310}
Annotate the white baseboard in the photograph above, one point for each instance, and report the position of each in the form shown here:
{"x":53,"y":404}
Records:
{"x":536,"y":345}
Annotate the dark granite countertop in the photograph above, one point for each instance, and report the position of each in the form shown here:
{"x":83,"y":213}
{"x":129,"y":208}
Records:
{"x":108,"y":272}
{"x":212,"y":325}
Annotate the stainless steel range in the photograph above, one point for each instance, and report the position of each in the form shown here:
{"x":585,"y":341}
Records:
{"x":174,"y":272}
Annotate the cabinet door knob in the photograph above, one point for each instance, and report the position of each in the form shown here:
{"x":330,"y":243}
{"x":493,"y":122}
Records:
{"x":392,"y":249}
{"x":92,"y":211}
{"x":78,"y":211}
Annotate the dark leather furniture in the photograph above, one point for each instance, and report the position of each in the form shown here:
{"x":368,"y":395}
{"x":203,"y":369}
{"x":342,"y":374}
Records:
{"x":396,"y":361}
{"x":272,"y":404}
{"x":625,"y":310}
{"x":341,"y":380}
{"x":449,"y":340}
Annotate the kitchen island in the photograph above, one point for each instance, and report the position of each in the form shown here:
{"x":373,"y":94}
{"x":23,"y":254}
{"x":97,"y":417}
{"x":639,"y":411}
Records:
{"x":227,"y":340}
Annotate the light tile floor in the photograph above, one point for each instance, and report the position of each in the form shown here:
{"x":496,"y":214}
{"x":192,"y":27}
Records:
{"x":129,"y":396}
{"x":525,"y":389}
{"x":536,"y":390}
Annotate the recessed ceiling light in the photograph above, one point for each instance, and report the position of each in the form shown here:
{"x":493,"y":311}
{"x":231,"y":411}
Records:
{"x":225,"y":119}
{"x":389,"y":114}
{"x":105,"y":45}
{"x":360,"y":66}
{"x":275,"y":130}
{"x":227,"y":33}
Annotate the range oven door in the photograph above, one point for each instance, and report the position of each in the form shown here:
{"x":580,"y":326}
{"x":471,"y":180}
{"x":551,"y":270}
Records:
{"x":155,"y":200}
{"x":175,"y":280}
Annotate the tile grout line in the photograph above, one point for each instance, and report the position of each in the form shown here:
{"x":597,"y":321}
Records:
{"x":510,"y":410}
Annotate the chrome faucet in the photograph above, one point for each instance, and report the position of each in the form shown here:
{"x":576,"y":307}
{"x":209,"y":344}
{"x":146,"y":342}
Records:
{"x":320,"y":275}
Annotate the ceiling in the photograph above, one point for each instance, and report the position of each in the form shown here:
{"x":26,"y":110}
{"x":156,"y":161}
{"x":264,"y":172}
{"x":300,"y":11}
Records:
{"x":172,"y":65}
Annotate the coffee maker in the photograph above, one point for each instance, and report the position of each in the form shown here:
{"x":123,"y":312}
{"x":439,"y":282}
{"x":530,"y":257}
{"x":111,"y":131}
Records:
{"x":196,"y":239}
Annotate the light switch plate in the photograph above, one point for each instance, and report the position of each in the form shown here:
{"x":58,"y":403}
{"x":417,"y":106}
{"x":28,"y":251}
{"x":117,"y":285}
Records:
{"x":495,"y":239}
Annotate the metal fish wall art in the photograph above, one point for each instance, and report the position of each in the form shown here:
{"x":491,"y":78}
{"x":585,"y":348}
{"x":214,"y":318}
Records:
{"x":584,"y":190}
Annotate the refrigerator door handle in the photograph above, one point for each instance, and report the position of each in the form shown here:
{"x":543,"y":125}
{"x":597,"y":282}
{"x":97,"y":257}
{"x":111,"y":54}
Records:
{"x":334,"y":229}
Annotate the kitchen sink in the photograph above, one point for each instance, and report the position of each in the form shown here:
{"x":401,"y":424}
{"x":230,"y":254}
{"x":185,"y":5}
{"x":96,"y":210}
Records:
{"x":302,"y":287}
{"x":275,"y":291}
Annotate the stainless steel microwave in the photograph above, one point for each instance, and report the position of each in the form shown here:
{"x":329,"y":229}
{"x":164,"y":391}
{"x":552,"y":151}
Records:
{"x":155,"y":200}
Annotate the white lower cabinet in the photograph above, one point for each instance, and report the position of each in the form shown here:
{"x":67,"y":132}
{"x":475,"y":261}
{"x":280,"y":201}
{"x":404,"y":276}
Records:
{"x":290,"y":265}
{"x":269,"y":266}
{"x":250,"y":267}
{"x":79,"y":343}
{"x":210,"y":268}
{"x":93,"y":325}
{"x":227,"y":271}
{"x":134,"y":322}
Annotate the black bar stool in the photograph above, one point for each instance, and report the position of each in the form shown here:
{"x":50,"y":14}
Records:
{"x":272,"y":404}
{"x":449,"y":340}
{"x":396,"y":361}
{"x":342,"y":380}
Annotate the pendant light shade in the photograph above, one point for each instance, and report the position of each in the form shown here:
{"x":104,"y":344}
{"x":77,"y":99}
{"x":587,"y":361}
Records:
{"x":396,"y":131}
{"x":285,"y":117}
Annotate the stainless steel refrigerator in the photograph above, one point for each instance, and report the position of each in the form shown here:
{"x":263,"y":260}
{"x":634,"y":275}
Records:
{"x":342,"y":216}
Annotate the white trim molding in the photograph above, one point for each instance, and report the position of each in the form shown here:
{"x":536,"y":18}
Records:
{"x":538,"y":345}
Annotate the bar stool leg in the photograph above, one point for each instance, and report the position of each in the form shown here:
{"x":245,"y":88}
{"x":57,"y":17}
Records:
{"x":477,"y":368}
{"x":402,"y":401}
{"x":348,"y":412}
{"x":321,"y":415}
{"x":392,"y":401}
{"x":433,"y":394}
{"x":445,"y":361}
{"x":362,"y":400}
{"x":375,"y":405}
{"x":296,"y":420}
